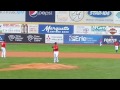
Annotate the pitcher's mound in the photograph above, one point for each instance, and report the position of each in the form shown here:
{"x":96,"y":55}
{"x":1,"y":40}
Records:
{"x":39,"y":66}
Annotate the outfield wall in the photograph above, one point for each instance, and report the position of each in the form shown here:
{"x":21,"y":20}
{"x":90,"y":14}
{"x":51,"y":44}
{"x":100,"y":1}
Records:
{"x":60,"y":38}
{"x":66,"y":27}
{"x":61,"y":33}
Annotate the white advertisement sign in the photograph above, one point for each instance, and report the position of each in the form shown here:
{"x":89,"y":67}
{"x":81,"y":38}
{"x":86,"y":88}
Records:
{"x":117,"y":17}
{"x":11,"y":28}
{"x":99,"y":30}
{"x":113,"y":30}
{"x":82,"y":29}
{"x":12,"y":16}
{"x":69,"y":16}
{"x":94,"y":30}
{"x":52,"y":38}
{"x":33,"y":28}
{"x":84,"y":16}
{"x":98,"y":17}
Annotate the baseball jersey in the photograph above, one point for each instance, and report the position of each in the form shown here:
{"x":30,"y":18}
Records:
{"x":55,"y":48}
{"x":116,"y":44}
{"x":3,"y":44}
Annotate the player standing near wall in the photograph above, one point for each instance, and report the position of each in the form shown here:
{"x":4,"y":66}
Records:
{"x":55,"y":52}
{"x":3,"y":49}
{"x":100,"y":42}
{"x":116,"y":44}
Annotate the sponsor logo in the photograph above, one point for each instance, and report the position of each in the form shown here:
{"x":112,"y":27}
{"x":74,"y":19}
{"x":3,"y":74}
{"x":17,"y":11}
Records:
{"x":12,"y":12}
{"x":81,"y":29}
{"x":56,"y":29}
{"x":48,"y":38}
{"x":11,"y":37}
{"x":11,"y":25}
{"x":15,"y":37}
{"x":51,"y":38}
{"x":113,"y":31}
{"x":98,"y":28}
{"x":35,"y":38}
{"x":30,"y":38}
{"x":118,"y":15}
{"x":110,"y":40}
{"x":99,"y":14}
{"x":85,"y":30}
{"x":77,"y":38}
{"x":76,"y":15}
{"x":34,"y":14}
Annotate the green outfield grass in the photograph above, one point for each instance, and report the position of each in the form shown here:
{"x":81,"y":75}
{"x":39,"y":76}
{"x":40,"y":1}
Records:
{"x":88,"y":69}
{"x":62,"y":48}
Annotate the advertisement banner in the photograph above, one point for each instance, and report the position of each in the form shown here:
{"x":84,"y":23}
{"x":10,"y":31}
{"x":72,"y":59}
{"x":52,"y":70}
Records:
{"x":33,"y":28}
{"x":110,"y":39}
{"x":69,"y":16}
{"x":94,"y":30}
{"x":25,"y":38}
{"x":82,"y":29}
{"x":52,"y":38}
{"x":116,"y":17}
{"x":99,"y":30}
{"x":55,"y":29}
{"x":2,"y":37}
{"x":84,"y":16}
{"x":98,"y":17}
{"x":82,"y":39}
{"x":12,"y":16}
{"x":1,"y":28}
{"x":113,"y":30}
{"x":29,"y":28}
{"x":11,"y":28}
{"x":40,"y":16}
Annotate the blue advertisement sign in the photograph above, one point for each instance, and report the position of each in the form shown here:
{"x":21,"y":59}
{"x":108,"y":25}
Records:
{"x":82,"y":39}
{"x":40,"y":16}
{"x":1,"y":37}
{"x":110,"y":39}
{"x":55,"y":29}
{"x":100,"y":14}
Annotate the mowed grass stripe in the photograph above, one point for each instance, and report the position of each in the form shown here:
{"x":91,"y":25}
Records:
{"x":62,"y":48}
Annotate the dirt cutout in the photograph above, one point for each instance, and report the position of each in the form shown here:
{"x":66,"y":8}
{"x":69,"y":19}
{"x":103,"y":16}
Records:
{"x":39,"y":66}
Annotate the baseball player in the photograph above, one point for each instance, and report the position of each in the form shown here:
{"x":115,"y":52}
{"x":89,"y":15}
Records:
{"x":100,"y":42}
{"x":56,"y":52}
{"x":116,"y":44}
{"x":3,"y":49}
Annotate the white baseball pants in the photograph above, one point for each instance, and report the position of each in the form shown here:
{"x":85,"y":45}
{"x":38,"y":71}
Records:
{"x":3,"y":52}
{"x":56,"y":56}
{"x":100,"y":43}
{"x":116,"y":47}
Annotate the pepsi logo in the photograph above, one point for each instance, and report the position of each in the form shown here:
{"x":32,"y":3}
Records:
{"x":33,"y":14}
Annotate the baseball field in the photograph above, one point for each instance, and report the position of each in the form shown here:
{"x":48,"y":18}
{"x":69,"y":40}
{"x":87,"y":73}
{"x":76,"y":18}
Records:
{"x":35,"y":61}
